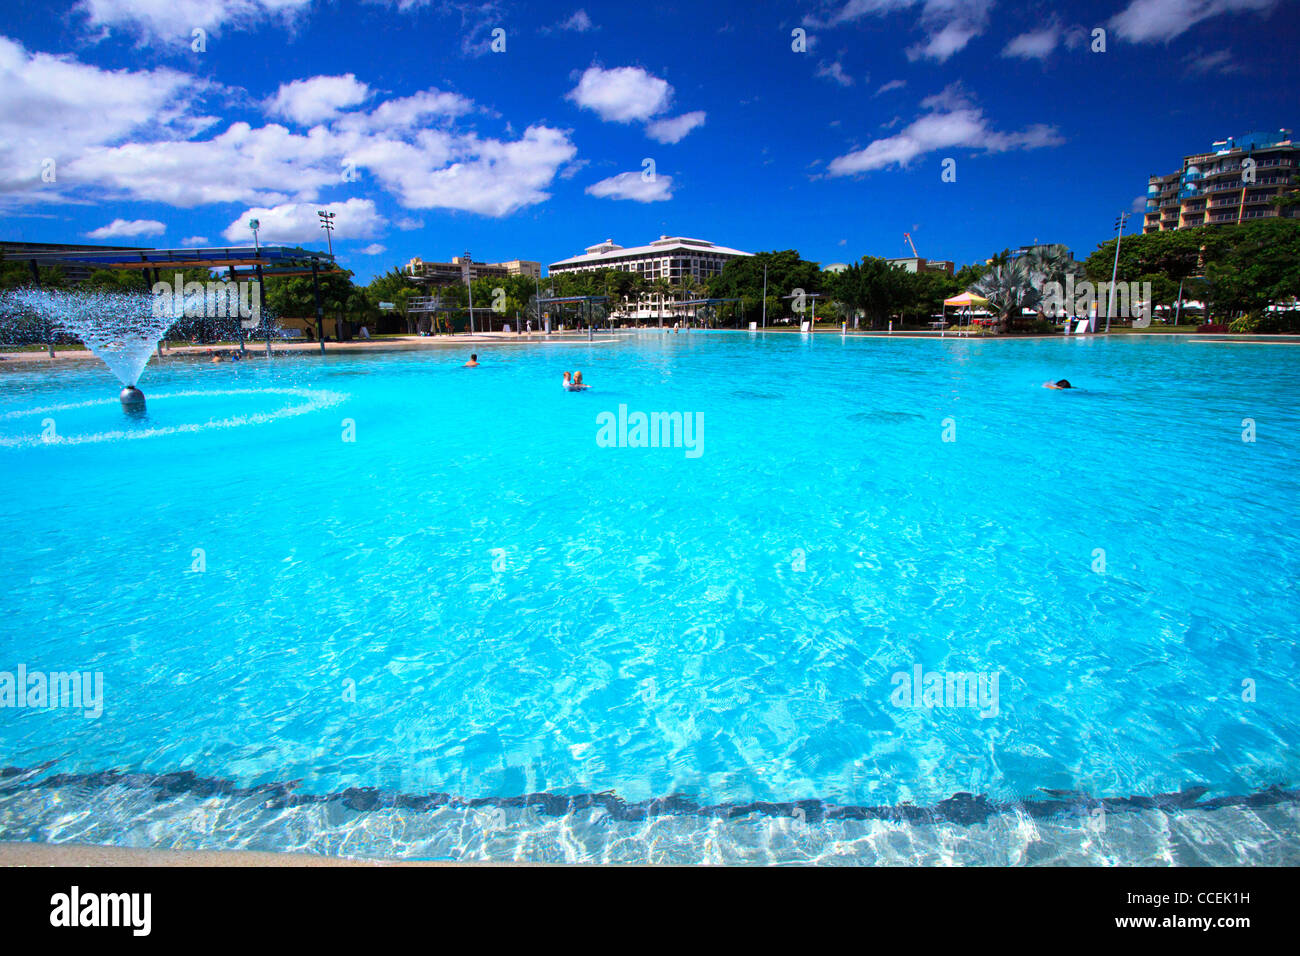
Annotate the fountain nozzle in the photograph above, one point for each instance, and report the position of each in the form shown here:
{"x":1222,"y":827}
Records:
{"x":131,"y":397}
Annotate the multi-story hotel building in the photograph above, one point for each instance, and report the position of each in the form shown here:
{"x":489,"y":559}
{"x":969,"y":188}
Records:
{"x":1239,"y":180}
{"x":920,"y":264}
{"x":462,"y":267}
{"x":675,"y":258}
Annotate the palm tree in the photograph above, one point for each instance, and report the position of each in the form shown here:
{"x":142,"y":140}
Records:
{"x":1050,"y":264}
{"x":661,"y":288}
{"x":1010,"y":288}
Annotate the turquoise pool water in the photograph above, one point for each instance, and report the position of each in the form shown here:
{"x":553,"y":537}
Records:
{"x":476,"y":597}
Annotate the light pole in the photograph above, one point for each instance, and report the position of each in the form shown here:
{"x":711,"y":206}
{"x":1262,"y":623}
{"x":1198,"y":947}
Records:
{"x":764,"y":295}
{"x":327,"y":223}
{"x":255,"y":225}
{"x":1119,"y":237}
{"x":469,"y":284}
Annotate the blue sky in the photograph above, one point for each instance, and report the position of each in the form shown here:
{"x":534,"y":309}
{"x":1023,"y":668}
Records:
{"x":401,"y":118}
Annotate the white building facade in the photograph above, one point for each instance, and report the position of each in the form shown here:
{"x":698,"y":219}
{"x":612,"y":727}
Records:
{"x":675,"y":258}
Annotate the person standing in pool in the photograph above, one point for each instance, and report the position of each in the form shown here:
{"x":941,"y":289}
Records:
{"x":567,"y":381}
{"x":473,"y":361}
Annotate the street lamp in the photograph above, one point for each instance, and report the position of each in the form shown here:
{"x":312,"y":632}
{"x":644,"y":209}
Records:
{"x":327,"y":223}
{"x":467,"y":271}
{"x":255,"y":224}
{"x":1119,"y":237}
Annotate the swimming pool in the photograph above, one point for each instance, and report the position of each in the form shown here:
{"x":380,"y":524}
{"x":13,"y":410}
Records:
{"x":378,"y":584}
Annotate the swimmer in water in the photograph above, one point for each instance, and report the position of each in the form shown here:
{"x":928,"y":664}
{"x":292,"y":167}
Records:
{"x":1061,"y":383}
{"x":567,"y":381}
{"x":473,"y":361}
{"x":577,"y":380}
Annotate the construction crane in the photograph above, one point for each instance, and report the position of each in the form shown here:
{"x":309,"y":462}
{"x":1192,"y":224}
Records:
{"x":908,"y":237}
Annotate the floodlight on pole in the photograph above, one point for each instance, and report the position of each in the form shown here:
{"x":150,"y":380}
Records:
{"x":1114,"y":272}
{"x":255,"y":224}
{"x":327,"y":223}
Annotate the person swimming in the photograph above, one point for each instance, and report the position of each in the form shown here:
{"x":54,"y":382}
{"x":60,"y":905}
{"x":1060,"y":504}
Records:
{"x":473,"y":361}
{"x":1060,"y":383}
{"x":568,"y":381}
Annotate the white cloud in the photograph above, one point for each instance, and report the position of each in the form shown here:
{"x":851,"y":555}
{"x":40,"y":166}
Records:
{"x":1152,"y":21}
{"x":951,"y":97}
{"x":949,"y":24}
{"x":298,"y":222}
{"x":579,"y":22}
{"x":623,"y":94}
{"x":952,"y":122}
{"x":834,"y":71}
{"x":633,"y":186}
{"x":1200,"y":63}
{"x":408,"y":112}
{"x":407,"y":223}
{"x":373,"y":249}
{"x":170,"y":21}
{"x":1041,"y":43}
{"x":1034,"y":45}
{"x":123,"y":136}
{"x":942,"y":44}
{"x":674,"y":130}
{"x":194,"y":241}
{"x":489,"y":176}
{"x":242,"y":164}
{"x":119,"y":228}
{"x":306,"y":102}
{"x":891,"y":85}
{"x":52,"y":107}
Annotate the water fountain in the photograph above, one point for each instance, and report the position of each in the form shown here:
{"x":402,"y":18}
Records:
{"x":121,"y":328}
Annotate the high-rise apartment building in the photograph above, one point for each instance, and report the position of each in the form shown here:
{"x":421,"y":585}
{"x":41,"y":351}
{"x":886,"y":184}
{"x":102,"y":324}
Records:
{"x":1240,"y":179}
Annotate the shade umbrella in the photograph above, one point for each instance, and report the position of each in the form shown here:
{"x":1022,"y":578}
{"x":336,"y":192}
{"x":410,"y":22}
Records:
{"x":967,"y":300}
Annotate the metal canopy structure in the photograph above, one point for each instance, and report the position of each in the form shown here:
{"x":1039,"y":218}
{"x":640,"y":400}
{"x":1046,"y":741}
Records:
{"x":275,"y":260}
{"x":569,"y":299}
{"x":254,"y":261}
{"x":584,"y":303}
{"x":674,"y":304}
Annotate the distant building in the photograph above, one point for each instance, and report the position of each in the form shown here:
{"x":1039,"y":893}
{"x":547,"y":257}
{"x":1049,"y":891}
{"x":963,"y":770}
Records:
{"x":1239,"y":180}
{"x":675,"y":258}
{"x":919,"y":264}
{"x":1043,"y":247}
{"x":72,"y":271}
{"x":462,"y":267}
{"x":522,"y":267}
